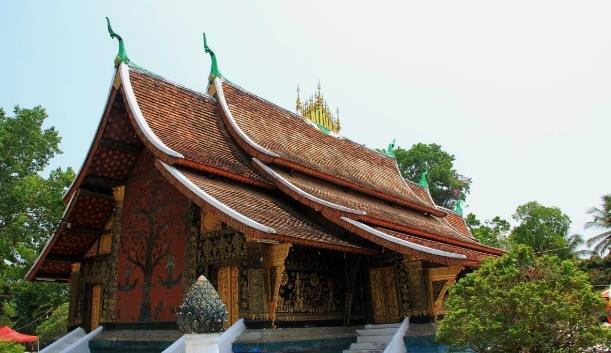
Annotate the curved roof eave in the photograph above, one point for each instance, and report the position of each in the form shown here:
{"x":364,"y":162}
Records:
{"x":120,"y":80}
{"x":139,"y":118}
{"x":315,"y":202}
{"x":80,"y":175}
{"x":221,"y":207}
{"x":43,"y":254}
{"x":301,"y":192}
{"x":240,"y":221}
{"x":402,"y":242}
{"x":218,"y":85}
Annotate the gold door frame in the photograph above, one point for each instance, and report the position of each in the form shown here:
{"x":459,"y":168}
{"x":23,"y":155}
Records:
{"x":228,"y":281}
{"x":96,"y":303}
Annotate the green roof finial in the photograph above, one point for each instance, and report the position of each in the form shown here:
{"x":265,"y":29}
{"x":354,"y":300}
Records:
{"x":390,"y":151}
{"x":214,"y":69}
{"x":458,"y":207}
{"x":424,"y":179}
{"x":122,"y":54}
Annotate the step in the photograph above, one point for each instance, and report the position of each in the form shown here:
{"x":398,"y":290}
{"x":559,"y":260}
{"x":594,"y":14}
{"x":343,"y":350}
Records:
{"x":377,"y":331}
{"x":368,"y":345}
{"x":395,"y":325}
{"x":383,"y":339}
{"x":75,"y":338}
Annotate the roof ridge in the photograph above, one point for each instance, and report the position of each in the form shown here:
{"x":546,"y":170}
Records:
{"x":142,"y":70}
{"x":449,"y":211}
{"x":235,"y":85}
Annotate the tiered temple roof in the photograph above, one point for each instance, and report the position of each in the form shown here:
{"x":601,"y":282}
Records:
{"x":261,"y":169}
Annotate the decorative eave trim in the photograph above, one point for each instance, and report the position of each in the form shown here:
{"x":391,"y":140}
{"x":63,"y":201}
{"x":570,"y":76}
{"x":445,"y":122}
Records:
{"x":223,"y":172}
{"x":403,"y":242}
{"x":137,"y":113}
{"x":47,"y":248}
{"x":301,"y":192}
{"x":214,"y":202}
{"x":252,"y":233}
{"x":313,"y":201}
{"x":218,"y":85}
{"x":342,"y":182}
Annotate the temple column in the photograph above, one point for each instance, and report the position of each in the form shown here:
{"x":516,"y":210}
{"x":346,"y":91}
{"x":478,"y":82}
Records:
{"x":273,"y":264}
{"x":118,"y":194}
{"x":193,"y":251}
{"x":439,"y":280}
{"x":417,"y":296}
{"x":352,"y":275}
{"x":75,"y":286}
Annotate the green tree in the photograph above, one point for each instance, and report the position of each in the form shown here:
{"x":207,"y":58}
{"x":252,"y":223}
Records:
{"x":30,"y":207}
{"x":602,"y":220}
{"x":544,"y":229}
{"x":598,"y":269}
{"x":524,"y":303}
{"x":445,"y":183}
{"x":9,"y":347}
{"x":492,"y":232}
{"x":55,"y":326}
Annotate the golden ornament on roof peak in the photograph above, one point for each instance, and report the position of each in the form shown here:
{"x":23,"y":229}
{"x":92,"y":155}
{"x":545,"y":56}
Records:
{"x":316,"y":110}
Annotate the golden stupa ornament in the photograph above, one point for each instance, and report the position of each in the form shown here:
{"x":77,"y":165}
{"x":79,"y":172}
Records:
{"x":317,"y":111}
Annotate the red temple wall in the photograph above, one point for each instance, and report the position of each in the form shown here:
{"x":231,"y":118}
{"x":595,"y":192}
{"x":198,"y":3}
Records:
{"x":152,"y":246}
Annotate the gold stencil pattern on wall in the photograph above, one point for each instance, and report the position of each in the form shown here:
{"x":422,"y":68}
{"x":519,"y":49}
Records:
{"x":228,"y":291}
{"x":384,"y":295}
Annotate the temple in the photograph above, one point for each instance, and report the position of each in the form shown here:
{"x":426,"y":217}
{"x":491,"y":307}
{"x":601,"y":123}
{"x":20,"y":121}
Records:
{"x":294,"y":224}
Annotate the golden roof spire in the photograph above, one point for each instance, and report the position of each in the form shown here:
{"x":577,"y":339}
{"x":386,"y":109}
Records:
{"x":317,"y":111}
{"x":298,"y":102}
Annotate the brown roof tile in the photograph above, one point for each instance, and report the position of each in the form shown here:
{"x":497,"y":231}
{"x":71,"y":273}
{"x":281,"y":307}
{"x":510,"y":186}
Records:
{"x":293,"y":139}
{"x":472,"y":255}
{"x":458,"y":223}
{"x":268,"y":208}
{"x":188,"y":123}
{"x":372,"y":206}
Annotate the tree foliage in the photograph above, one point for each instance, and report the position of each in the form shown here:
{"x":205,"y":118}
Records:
{"x":598,"y":269}
{"x":55,"y":326}
{"x":601,"y":220}
{"x":544,"y":229}
{"x":9,"y":347}
{"x":30,"y":207}
{"x":492,"y":232}
{"x":524,"y":303}
{"x":445,"y":183}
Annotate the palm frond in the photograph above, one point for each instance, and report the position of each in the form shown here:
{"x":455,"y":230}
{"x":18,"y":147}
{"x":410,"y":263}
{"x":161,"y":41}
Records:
{"x":604,"y":236}
{"x":584,"y":253}
{"x":602,"y":247}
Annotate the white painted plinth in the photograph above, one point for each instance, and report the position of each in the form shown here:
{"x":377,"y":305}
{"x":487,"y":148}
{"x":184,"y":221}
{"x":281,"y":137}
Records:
{"x":202,"y":343}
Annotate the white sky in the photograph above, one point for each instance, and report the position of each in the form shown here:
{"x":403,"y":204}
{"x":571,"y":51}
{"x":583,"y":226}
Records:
{"x":519,"y":91}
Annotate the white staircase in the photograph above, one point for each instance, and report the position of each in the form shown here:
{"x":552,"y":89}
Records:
{"x":65,"y":341}
{"x":76,"y":341}
{"x":373,"y":338}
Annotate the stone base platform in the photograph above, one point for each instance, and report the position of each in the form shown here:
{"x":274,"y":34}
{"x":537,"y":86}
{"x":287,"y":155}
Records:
{"x":289,"y":340}
{"x":133,"y":341}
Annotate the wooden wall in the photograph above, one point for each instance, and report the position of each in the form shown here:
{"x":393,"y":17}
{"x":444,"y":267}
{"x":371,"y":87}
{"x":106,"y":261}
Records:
{"x":154,"y":229}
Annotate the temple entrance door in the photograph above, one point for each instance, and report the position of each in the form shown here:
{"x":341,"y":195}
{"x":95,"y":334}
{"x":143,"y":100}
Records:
{"x":384,"y":295}
{"x":96,"y":303}
{"x":228,"y":291}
